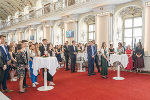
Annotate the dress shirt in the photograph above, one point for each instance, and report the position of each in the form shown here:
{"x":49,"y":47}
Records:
{"x":92,"y":50}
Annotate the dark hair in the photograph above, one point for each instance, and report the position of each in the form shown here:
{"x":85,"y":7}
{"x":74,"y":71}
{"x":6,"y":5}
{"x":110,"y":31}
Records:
{"x":73,"y":41}
{"x":111,"y":44}
{"x":140,"y":46}
{"x":44,"y":39}
{"x":120,"y":44}
{"x":23,"y":41}
{"x":1,"y":36}
{"x":19,"y":46}
{"x":30,"y":46}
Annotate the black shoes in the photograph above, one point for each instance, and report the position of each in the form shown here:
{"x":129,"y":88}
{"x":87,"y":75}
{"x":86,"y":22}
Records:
{"x":91,"y":74}
{"x":105,"y":77}
{"x":26,"y":86}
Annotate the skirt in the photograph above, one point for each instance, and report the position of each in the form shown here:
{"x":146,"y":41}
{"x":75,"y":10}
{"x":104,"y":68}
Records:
{"x":139,"y":62}
{"x":21,"y":71}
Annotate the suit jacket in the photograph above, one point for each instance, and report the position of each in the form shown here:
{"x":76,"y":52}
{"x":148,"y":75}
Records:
{"x":2,"y":63}
{"x":89,"y":52}
{"x":66,"y":51}
{"x":42,"y":50}
{"x":6,"y":54}
{"x":72,"y":51}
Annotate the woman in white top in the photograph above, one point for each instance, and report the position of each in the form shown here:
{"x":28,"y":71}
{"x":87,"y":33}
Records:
{"x":33,"y":53}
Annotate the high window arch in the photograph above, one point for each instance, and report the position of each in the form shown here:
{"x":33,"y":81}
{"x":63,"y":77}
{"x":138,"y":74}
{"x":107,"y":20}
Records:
{"x":128,"y":25}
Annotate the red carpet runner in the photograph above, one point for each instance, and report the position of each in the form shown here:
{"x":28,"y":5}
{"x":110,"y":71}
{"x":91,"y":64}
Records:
{"x":79,"y":86}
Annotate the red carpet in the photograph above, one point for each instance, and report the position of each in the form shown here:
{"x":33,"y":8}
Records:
{"x":79,"y":86}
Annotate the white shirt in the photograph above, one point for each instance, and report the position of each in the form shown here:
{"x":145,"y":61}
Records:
{"x":74,"y":48}
{"x":4,"y":48}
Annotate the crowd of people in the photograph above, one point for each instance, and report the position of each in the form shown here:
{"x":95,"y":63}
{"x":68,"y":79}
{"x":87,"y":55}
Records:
{"x":17,"y":59}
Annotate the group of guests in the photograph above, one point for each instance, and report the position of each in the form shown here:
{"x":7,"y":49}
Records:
{"x":19,"y":58}
{"x":135,"y":56}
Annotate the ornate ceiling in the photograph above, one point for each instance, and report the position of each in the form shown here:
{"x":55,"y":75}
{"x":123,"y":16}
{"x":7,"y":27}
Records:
{"x":10,"y":7}
{"x":131,"y":10}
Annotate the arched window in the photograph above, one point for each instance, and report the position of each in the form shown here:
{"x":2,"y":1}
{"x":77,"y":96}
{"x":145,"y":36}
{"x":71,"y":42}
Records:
{"x":133,"y":30}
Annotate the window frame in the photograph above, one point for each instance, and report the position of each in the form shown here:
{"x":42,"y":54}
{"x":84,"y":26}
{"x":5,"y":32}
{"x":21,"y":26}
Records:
{"x":132,"y":28}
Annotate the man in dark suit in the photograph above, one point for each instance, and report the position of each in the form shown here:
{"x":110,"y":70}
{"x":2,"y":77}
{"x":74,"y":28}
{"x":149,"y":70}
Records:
{"x":96,"y":56}
{"x":43,"y":49}
{"x":7,"y":60}
{"x":3,"y":67}
{"x":73,"y":53}
{"x":25,"y":49}
{"x":66,"y":54}
{"x":91,"y":57}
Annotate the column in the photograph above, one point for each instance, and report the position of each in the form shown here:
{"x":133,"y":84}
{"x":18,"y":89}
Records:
{"x":76,"y":30}
{"x":147,"y":31}
{"x":102,"y":30}
{"x":47,"y":32}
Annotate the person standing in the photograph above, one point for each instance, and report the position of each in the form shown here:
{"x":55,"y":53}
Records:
{"x":26,"y":51}
{"x":58,"y":54}
{"x":91,"y":57}
{"x":139,"y":60}
{"x":21,"y":66}
{"x":7,"y":60}
{"x":111,"y":51}
{"x":129,"y":53}
{"x":104,"y":61}
{"x":13,"y":63}
{"x":3,"y":67}
{"x":51,"y":53}
{"x":66,"y":54}
{"x":43,"y":47}
{"x":33,"y":53}
{"x":120,"y":49}
{"x":73,"y":53}
{"x":96,"y":55}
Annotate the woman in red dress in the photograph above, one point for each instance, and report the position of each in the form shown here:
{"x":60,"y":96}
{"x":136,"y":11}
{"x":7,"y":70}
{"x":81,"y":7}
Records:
{"x":129,"y":52}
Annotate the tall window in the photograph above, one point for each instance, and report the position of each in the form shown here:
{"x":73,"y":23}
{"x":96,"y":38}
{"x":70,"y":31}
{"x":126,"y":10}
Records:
{"x":91,"y":32}
{"x":133,"y":30}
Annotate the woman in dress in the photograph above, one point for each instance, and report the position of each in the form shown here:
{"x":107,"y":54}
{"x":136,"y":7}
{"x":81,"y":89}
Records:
{"x":58,"y":54}
{"x":37,"y":48}
{"x":111,"y":51}
{"x":129,"y":52}
{"x":51,"y":53}
{"x":104,"y":61}
{"x":139,"y":60}
{"x":21,"y":64}
{"x":13,"y":63}
{"x":120,"y":49}
{"x":33,"y":53}
{"x":80,"y":48}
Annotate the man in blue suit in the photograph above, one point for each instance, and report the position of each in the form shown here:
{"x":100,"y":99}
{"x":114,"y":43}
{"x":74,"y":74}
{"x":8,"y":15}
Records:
{"x":73,"y":53}
{"x":96,"y":56}
{"x":7,"y":60}
{"x":91,"y":56}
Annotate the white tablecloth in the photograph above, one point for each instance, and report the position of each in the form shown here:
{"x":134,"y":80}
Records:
{"x":50,"y":63}
{"x":123,"y":59}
